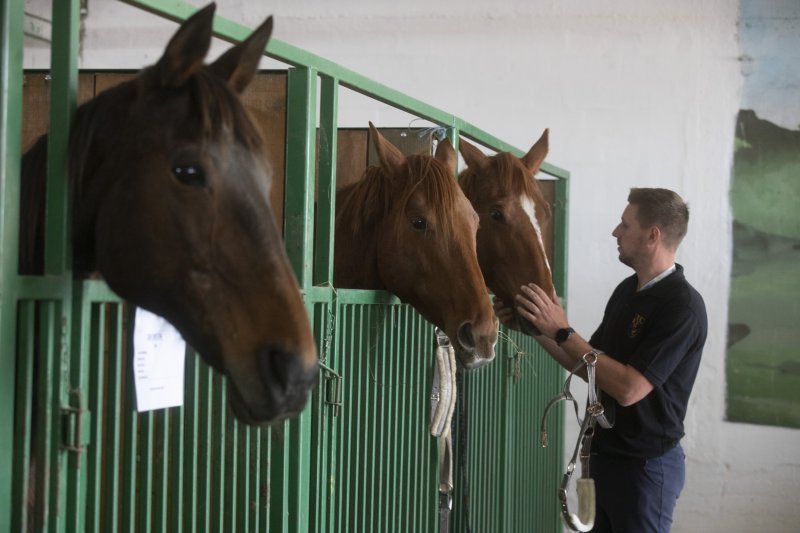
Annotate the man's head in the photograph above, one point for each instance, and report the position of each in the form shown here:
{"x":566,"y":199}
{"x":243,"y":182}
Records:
{"x":662,"y":208}
{"x":653,"y":216}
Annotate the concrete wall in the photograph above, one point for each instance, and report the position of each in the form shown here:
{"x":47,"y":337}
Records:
{"x":635,"y":93}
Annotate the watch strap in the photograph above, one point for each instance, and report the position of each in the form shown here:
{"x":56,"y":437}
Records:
{"x":563,"y":334}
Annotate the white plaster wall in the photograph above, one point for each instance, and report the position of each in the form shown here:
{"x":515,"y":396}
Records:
{"x":635,"y":93}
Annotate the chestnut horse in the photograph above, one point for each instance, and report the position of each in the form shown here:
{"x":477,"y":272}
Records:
{"x":505,"y":194}
{"x":406,"y":227}
{"x":170,"y":182}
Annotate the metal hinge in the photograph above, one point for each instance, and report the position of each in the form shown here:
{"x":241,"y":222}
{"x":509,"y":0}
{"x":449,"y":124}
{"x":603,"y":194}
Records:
{"x":75,"y":428}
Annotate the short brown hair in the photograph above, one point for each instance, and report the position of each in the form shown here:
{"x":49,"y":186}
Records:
{"x":663,"y":208}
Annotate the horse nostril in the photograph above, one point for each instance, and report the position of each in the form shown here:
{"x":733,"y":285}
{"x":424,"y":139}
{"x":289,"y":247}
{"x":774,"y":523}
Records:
{"x":280,"y":369}
{"x":465,"y":336}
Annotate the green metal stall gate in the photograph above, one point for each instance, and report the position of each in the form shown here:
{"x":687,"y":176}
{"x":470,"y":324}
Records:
{"x":359,"y":458}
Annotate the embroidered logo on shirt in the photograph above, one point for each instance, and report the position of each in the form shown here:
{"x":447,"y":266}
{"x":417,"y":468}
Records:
{"x":636,"y":326}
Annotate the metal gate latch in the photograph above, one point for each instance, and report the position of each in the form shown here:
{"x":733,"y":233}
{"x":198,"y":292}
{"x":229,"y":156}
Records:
{"x":333,"y":390}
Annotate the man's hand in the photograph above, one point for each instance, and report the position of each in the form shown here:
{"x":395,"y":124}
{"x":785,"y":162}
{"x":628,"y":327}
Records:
{"x":543,"y":311}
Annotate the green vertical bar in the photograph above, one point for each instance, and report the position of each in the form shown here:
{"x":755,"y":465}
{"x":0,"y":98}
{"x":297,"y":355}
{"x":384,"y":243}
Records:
{"x":23,"y":407}
{"x":265,"y":492}
{"x":560,"y":240}
{"x":130,"y":482}
{"x":64,"y":72}
{"x":326,"y":202}
{"x":297,"y":457}
{"x":44,"y":417}
{"x":113,"y":417}
{"x":321,"y":447}
{"x":204,"y":447}
{"x":231,"y":446}
{"x":218,"y":467}
{"x":257,"y":466}
{"x":77,"y":463}
{"x":173,"y":481}
{"x":144,"y":455}
{"x":189,"y":445}
{"x":12,"y":15}
{"x":301,"y":120}
{"x":301,"y":123}
{"x":360,"y":433}
{"x":242,"y":478}
{"x":561,"y":244}
{"x":63,"y":90}
{"x":507,"y":433}
{"x":95,"y":493}
{"x":161,"y":493}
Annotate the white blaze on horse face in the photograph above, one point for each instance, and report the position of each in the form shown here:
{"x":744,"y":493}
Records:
{"x":530,"y":210}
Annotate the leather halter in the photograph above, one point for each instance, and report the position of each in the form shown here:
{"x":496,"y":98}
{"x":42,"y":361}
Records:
{"x":584,"y":520}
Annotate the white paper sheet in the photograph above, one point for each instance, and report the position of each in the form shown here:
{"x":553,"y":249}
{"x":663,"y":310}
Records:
{"x":158,"y":364}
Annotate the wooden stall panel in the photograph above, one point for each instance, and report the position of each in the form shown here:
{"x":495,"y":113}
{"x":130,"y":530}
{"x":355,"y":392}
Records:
{"x":265,"y":100}
{"x":36,"y":103}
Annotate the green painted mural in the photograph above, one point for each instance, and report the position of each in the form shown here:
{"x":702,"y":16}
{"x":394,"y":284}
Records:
{"x":763,"y":365}
{"x":763,"y":357}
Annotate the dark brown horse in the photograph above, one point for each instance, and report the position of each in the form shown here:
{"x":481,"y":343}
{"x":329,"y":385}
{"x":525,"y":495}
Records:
{"x":170,"y":183}
{"x":406,"y":227}
{"x":504,"y":192}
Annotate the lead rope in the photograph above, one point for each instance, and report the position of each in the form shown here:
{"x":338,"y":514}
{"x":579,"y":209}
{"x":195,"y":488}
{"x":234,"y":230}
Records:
{"x":443,"y":401}
{"x":584,"y":520}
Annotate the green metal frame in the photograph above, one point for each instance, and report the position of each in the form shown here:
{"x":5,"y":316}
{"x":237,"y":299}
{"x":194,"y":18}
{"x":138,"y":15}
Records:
{"x":317,"y":473}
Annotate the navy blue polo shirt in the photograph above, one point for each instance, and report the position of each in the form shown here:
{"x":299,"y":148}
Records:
{"x":660,"y":332}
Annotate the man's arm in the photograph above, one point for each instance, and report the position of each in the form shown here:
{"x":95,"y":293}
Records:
{"x":622,"y":382}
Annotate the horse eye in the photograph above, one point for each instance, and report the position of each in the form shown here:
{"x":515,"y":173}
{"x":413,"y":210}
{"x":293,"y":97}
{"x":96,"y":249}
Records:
{"x":496,"y":214}
{"x":191,"y":174}
{"x":419,"y":223}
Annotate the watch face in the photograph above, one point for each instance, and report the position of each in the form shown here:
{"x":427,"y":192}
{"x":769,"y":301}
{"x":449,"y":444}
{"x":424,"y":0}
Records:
{"x":563,"y":334}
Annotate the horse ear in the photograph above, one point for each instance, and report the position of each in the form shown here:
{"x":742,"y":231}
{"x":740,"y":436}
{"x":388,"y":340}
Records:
{"x":186,"y":50}
{"x":239,"y":64}
{"x":474,"y":158}
{"x":391,"y":158}
{"x":535,"y":157}
{"x":447,"y":155}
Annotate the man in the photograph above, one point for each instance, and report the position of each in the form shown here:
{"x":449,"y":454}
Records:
{"x":650,"y":339}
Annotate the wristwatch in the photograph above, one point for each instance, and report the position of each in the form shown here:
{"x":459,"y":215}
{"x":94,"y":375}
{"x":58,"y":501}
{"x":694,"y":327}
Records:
{"x":563,"y":334}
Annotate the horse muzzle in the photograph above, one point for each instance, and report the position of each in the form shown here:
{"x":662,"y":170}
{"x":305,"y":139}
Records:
{"x":474,"y":349}
{"x":277,"y":390}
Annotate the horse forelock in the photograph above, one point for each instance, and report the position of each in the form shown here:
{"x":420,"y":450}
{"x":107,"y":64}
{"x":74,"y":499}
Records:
{"x":371,"y":199}
{"x":440,"y":189}
{"x":505,"y":175}
{"x":221,"y":110}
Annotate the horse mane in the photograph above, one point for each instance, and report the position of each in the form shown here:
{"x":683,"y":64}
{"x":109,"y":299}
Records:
{"x":506,"y":173}
{"x":365,"y":203}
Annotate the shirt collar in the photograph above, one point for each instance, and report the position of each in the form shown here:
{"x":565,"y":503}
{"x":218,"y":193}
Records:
{"x":658,"y":278}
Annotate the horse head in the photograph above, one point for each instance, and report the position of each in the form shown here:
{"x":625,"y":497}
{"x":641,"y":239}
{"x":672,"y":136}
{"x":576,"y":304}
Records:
{"x":407,"y":228}
{"x":512,"y":210}
{"x":171,"y":206}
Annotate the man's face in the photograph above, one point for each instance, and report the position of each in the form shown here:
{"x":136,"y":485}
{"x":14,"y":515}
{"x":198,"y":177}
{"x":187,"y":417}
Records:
{"x":631,"y":237}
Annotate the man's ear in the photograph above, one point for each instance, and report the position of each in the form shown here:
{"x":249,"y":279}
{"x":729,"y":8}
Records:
{"x":654,"y":235}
